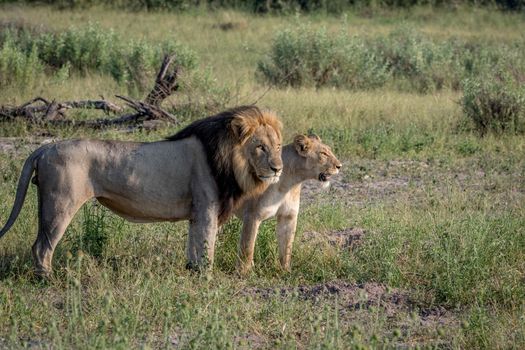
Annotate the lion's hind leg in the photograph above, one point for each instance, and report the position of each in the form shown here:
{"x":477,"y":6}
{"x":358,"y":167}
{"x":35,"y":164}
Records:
{"x":54,"y":216}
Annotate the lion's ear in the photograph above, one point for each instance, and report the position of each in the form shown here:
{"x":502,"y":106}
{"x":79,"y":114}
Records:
{"x":314,"y":137}
{"x":242,"y":127}
{"x":302,"y":144}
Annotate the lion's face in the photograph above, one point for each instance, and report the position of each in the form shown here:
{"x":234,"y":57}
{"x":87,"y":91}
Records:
{"x":256,"y":158}
{"x":263,"y":150}
{"x":320,"y":163}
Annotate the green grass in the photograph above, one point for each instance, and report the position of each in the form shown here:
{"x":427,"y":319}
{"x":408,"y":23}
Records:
{"x":441,"y":207}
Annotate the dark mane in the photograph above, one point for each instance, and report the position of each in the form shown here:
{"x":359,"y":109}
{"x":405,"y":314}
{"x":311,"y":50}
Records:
{"x":213,"y":132}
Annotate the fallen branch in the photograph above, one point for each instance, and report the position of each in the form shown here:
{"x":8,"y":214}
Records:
{"x":166,"y":82}
{"x":104,"y":105}
{"x":42,"y":111}
{"x":149,"y":111}
{"x":29,"y":109}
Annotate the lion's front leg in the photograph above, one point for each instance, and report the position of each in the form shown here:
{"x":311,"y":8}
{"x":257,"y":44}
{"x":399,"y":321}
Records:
{"x":203,"y":229}
{"x":286,"y":225}
{"x":201,"y":240}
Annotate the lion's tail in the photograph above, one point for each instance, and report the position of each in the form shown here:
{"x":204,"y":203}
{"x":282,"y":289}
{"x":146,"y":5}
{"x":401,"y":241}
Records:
{"x":23,"y":183}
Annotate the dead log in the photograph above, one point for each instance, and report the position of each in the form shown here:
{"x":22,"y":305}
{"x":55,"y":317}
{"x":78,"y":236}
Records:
{"x":104,"y":105}
{"x":40,"y":110}
{"x":101,"y":123}
{"x":30,"y":109}
{"x":54,"y":113}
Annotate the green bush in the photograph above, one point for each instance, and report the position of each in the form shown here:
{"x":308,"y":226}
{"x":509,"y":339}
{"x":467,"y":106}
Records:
{"x":137,"y":62}
{"x":495,"y":103}
{"x":18,"y":68}
{"x":312,"y":58}
{"x":94,"y":49}
{"x":415,"y":62}
{"x":404,"y":59}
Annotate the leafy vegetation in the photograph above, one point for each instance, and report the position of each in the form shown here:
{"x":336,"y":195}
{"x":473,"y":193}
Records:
{"x":404,"y":59}
{"x":18,"y":68}
{"x":496,"y":102}
{"x":88,"y":49}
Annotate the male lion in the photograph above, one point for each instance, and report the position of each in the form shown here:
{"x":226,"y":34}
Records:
{"x":198,"y":174}
{"x":304,"y":159}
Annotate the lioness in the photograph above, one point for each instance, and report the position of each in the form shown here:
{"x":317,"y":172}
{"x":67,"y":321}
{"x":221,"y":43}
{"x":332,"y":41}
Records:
{"x":198,"y":174}
{"x":304,"y":159}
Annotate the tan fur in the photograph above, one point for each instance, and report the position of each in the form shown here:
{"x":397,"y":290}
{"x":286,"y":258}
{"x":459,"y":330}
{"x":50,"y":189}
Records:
{"x":146,"y":182}
{"x":306,"y":158}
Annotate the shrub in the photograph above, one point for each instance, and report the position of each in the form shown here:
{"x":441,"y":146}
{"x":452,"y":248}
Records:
{"x":405,"y":59}
{"x":18,"y":68}
{"x":94,"y":49}
{"x":84,"y":49}
{"x":312,"y":58}
{"x":495,"y":103}
{"x":415,"y":62}
{"x":137,"y":62}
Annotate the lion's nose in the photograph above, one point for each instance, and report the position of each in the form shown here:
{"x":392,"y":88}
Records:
{"x":275,"y":169}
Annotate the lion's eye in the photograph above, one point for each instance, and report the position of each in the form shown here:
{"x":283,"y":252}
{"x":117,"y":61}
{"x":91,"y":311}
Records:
{"x":260,"y":147}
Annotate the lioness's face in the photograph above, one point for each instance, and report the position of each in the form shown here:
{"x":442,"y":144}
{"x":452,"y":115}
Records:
{"x":320,"y":163}
{"x":264,"y":153}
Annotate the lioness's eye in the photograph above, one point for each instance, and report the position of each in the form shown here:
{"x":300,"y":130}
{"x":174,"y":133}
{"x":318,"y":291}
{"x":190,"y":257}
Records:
{"x":261,"y":147}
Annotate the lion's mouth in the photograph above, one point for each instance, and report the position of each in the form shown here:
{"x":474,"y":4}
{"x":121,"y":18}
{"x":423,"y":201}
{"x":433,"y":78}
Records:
{"x":323,"y":177}
{"x":269,"y":178}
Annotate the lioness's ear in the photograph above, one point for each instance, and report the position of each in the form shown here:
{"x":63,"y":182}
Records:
{"x":314,"y":137}
{"x":302,"y":144}
{"x":242,"y":127}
